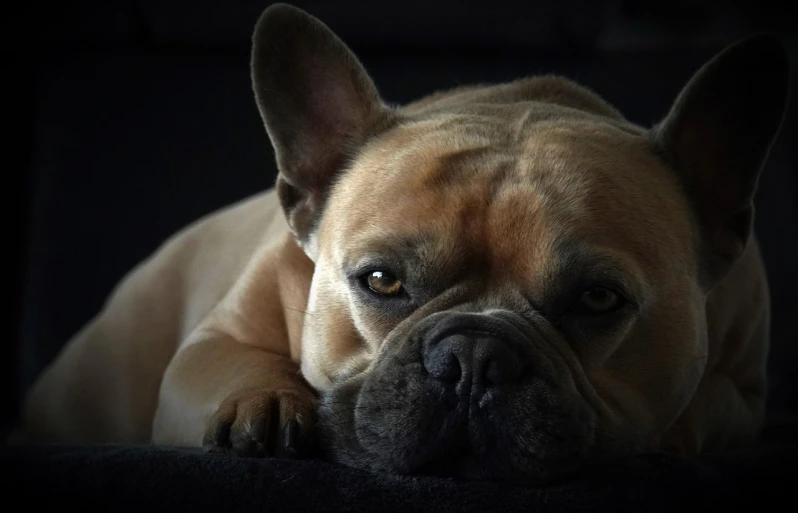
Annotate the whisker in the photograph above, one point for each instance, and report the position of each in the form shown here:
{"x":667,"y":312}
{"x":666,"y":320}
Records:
{"x":298,"y":310}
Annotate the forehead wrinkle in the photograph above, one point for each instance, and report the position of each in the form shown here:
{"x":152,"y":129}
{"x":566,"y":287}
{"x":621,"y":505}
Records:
{"x":564,"y":179}
{"x":577,"y":257}
{"x":453,"y":193}
{"x":552,"y":166}
{"x":517,"y":233}
{"x":447,"y":169}
{"x":420,"y":145}
{"x":604,"y":185}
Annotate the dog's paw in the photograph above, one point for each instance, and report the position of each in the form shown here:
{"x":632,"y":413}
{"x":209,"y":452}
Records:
{"x":262,"y":422}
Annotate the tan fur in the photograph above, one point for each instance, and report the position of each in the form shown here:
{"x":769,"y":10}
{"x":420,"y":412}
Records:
{"x":218,"y":275}
{"x":217,"y":322}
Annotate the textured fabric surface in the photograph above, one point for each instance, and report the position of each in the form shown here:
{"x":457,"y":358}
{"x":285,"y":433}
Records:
{"x":119,"y":478}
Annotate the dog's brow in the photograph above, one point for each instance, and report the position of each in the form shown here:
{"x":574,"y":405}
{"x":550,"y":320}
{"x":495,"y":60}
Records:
{"x":579,"y":263}
{"x":397,"y":251}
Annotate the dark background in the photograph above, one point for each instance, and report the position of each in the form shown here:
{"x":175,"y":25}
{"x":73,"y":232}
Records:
{"x":126,"y":120}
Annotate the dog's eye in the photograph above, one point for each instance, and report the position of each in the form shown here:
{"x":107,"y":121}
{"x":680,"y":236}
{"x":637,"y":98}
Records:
{"x":598,"y":300}
{"x":384,"y":283}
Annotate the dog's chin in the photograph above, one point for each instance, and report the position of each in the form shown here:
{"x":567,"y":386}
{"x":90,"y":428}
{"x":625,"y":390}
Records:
{"x":413,"y":427}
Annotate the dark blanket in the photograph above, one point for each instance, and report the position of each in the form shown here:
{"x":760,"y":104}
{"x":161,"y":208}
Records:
{"x":117,"y":478}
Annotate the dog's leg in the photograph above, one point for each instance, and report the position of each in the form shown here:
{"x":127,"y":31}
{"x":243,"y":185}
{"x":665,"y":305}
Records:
{"x":705,"y":425}
{"x":103,"y":385}
{"x":230,"y":396}
{"x":234,"y":383}
{"x":728,"y":409}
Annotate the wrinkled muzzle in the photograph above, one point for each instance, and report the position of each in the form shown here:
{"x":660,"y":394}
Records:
{"x":462,"y":394}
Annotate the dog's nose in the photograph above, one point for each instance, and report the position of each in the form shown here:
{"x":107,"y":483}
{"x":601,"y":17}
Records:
{"x":471,"y":358}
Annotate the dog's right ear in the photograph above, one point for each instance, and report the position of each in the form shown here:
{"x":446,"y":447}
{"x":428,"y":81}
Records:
{"x":318,"y":105}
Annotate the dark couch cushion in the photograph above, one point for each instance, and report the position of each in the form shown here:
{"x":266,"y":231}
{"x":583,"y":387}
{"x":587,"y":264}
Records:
{"x":138,"y":478}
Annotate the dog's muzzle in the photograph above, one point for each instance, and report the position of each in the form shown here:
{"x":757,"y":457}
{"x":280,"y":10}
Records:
{"x":460,"y":393}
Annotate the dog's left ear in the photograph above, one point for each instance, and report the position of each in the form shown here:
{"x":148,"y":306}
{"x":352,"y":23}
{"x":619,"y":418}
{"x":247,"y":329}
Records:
{"x":718,"y":134}
{"x":318,"y":105}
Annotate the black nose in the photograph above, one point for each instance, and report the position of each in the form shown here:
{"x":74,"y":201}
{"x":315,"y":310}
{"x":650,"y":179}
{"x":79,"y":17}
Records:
{"x":469,"y":357}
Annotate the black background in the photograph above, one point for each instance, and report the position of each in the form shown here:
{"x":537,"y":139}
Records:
{"x":124,"y":121}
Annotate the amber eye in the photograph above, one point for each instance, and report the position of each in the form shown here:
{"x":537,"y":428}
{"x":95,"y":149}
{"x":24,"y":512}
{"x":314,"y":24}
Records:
{"x":598,"y":300}
{"x":384,"y":283}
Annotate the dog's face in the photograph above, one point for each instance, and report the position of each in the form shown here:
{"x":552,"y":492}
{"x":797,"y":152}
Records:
{"x":509,"y":282}
{"x":492,"y":297}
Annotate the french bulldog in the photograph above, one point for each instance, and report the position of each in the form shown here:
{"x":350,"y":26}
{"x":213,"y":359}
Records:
{"x":496,"y":281}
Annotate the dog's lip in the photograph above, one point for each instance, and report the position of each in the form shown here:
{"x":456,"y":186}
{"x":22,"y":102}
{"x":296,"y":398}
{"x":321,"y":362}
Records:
{"x":600,"y":406}
{"x":459,"y":456}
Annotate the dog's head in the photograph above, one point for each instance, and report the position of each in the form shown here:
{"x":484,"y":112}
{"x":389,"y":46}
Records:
{"x":509,"y":280}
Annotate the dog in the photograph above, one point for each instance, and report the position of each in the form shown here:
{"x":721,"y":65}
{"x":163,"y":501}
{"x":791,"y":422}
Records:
{"x":495,"y":281}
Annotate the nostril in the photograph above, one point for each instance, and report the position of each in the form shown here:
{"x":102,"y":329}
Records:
{"x":447,"y":359}
{"x":498,"y":371}
{"x":452,"y":370}
{"x":494,"y":362}
{"x":444,"y":364}
{"x":492,"y":373}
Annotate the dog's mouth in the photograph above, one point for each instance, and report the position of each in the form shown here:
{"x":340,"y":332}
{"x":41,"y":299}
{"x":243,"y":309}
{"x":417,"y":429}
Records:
{"x":459,"y":403}
{"x":518,"y":434}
